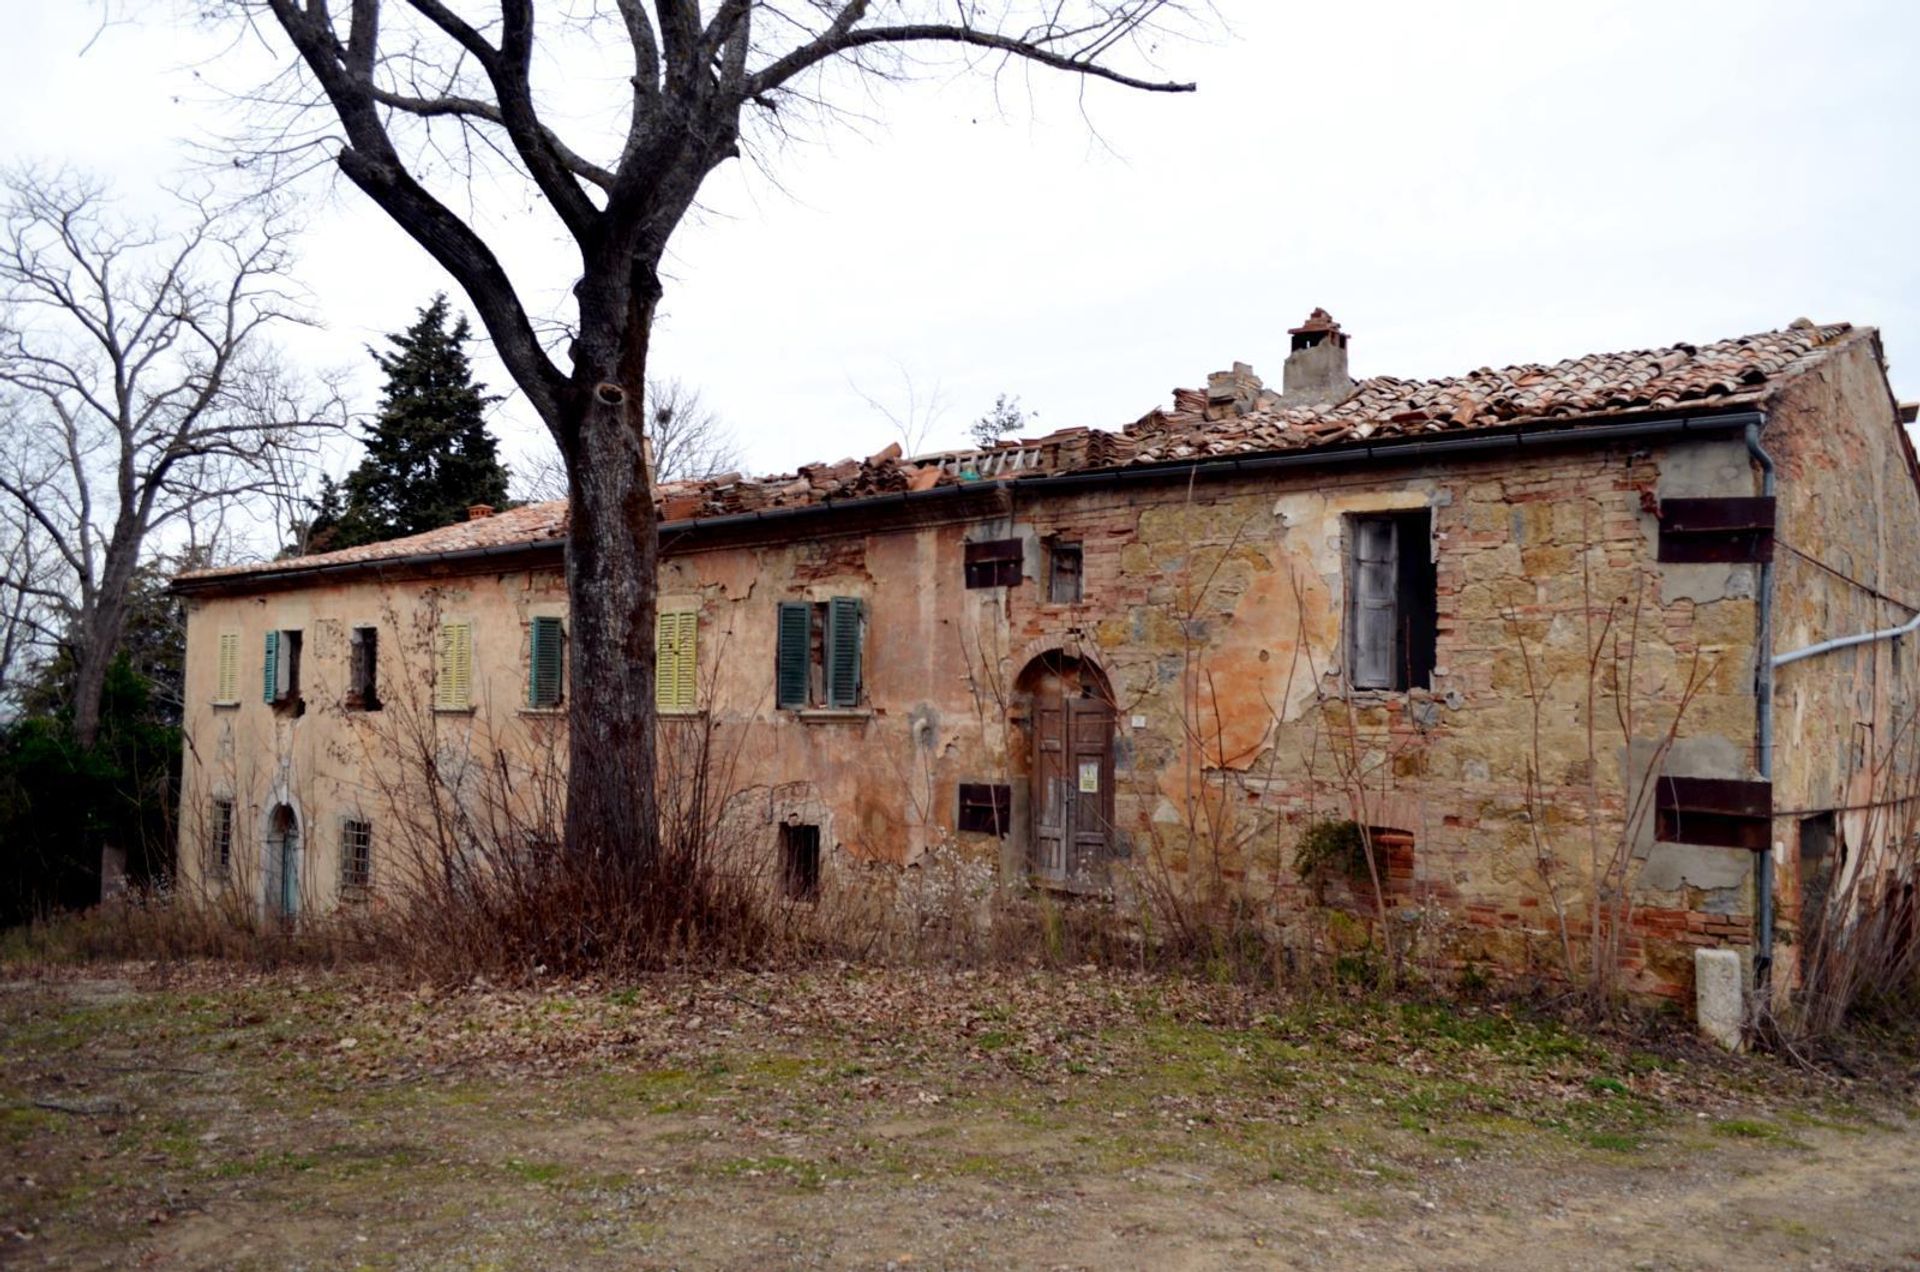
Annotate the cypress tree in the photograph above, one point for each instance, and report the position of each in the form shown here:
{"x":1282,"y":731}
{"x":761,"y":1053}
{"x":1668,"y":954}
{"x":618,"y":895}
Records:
{"x":429,"y":454}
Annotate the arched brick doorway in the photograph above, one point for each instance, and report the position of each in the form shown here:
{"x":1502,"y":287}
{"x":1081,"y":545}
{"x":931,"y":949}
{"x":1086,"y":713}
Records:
{"x":1063,"y":707}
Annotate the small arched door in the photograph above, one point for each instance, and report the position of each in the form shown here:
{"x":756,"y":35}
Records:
{"x":1070,"y":767}
{"x":283,"y":862}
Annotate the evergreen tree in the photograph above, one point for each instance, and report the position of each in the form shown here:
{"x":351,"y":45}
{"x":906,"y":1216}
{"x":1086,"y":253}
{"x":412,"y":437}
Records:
{"x":429,"y":454}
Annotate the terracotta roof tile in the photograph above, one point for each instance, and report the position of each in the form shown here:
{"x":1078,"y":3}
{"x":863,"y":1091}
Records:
{"x":1235,"y":415}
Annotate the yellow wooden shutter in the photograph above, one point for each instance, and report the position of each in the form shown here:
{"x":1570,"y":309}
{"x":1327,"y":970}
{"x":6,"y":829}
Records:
{"x":453,"y":685}
{"x":227,"y":686}
{"x":686,"y":674}
{"x":675,"y":667}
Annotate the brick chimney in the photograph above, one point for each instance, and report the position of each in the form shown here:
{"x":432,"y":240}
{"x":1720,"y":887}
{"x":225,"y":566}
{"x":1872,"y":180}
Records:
{"x":477,"y":511}
{"x":1316,"y":371}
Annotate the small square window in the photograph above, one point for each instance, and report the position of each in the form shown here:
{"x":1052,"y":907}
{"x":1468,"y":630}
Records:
{"x":985,"y":809}
{"x":1064,"y":573}
{"x":356,"y":856}
{"x":995,"y":563}
{"x":800,"y":862}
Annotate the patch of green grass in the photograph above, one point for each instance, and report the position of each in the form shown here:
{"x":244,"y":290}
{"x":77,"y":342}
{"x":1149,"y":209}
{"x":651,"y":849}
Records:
{"x":808,"y":1176}
{"x":534,"y":1172}
{"x":1615,"y":1141}
{"x":1611,"y":1086}
{"x":1750,"y":1128}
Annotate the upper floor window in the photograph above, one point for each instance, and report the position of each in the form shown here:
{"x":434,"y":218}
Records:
{"x":226,"y":688}
{"x":676,"y":662}
{"x":363,"y":669}
{"x":818,"y":659}
{"x":280,"y":678}
{"x":453,"y":668}
{"x":546,"y":662}
{"x":1391,"y":600}
{"x":995,"y":563}
{"x":1065,"y":570}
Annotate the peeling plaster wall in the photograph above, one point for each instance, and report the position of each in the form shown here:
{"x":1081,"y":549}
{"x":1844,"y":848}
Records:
{"x":1214,"y":613}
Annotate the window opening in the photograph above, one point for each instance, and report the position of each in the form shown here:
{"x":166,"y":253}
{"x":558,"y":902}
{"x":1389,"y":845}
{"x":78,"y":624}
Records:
{"x":356,"y":856}
{"x":1065,"y":573}
{"x":220,"y":841}
{"x":800,"y":862}
{"x":1391,"y":602}
{"x":363,"y":669}
{"x":994,"y":563}
{"x":985,"y":809}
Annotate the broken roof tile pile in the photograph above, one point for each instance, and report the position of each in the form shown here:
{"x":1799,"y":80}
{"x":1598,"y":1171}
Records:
{"x":1236,"y":414}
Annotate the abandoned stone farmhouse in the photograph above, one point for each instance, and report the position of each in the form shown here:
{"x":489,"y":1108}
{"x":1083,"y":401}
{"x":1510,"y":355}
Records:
{"x":1538,"y":636}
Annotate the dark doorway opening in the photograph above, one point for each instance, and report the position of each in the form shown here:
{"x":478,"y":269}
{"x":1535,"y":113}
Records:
{"x":800,"y":862}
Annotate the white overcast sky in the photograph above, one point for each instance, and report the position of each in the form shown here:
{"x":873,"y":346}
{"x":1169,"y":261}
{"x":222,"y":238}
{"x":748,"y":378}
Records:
{"x":1461,"y":184}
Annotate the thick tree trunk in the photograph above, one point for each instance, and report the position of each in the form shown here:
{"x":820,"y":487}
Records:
{"x":101,"y":629}
{"x":612,"y":549}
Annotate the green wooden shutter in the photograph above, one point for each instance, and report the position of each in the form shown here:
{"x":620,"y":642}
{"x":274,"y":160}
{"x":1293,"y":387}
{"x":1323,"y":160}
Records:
{"x":546,"y":663}
{"x":270,"y":681}
{"x":843,"y":652}
{"x":791,"y":664}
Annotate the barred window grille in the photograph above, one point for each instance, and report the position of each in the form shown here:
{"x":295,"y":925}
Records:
{"x":356,"y":856}
{"x":220,"y":842}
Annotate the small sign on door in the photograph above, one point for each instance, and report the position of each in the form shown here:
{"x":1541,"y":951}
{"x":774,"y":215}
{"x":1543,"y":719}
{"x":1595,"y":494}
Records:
{"x":1090,"y":777}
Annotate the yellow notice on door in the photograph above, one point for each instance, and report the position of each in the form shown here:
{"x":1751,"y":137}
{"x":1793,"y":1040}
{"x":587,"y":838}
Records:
{"x":1090,"y":777}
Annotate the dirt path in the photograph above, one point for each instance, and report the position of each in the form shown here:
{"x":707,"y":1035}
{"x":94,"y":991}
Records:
{"x":912,"y":1121}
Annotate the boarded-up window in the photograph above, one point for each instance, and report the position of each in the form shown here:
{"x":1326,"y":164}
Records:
{"x":995,"y":563}
{"x":220,"y":842}
{"x":1390,"y":600}
{"x":226,"y":689}
{"x":356,"y":857}
{"x":820,"y":651}
{"x":985,"y":809}
{"x":546,"y":662}
{"x":1064,"y":572}
{"x":453,"y":669}
{"x":676,"y":663}
{"x":363,"y":669}
{"x":281,"y":668}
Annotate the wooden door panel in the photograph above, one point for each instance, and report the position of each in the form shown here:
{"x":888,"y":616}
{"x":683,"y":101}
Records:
{"x":1052,"y":799}
{"x":1090,"y":768}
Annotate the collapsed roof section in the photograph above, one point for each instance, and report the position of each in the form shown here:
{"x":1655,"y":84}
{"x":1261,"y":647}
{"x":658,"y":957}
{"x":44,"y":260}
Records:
{"x":1236,"y":415}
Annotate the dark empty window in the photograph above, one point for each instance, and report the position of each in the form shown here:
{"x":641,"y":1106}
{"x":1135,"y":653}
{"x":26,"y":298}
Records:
{"x":220,"y":841}
{"x":995,"y":563}
{"x":1064,"y":572}
{"x":800,"y":862}
{"x":281,"y":678}
{"x":363,"y":669}
{"x":985,"y":809}
{"x":356,"y":856}
{"x":1390,"y":600}
{"x":818,"y":654}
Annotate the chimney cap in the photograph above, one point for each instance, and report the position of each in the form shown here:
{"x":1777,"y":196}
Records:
{"x":1319,"y":326}
{"x":476,"y":511}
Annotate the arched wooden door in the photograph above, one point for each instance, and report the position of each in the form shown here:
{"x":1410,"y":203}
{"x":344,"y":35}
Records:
{"x":283,"y":863}
{"x":1070,"y":770}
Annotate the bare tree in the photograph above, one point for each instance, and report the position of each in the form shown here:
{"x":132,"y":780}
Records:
{"x":687,"y":439}
{"x":411,"y":82}
{"x":142,"y":390}
{"x":915,"y":414}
